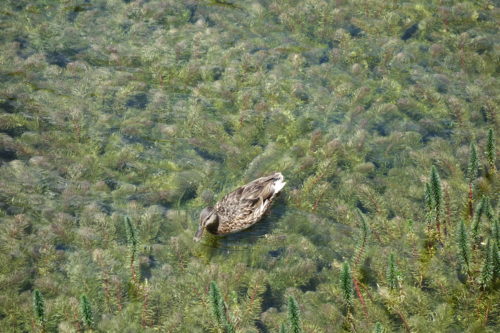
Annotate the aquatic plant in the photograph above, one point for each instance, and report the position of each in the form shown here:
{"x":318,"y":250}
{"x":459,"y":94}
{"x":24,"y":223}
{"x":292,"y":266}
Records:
{"x":346,"y":285}
{"x":473,"y":166}
{"x":359,"y":254}
{"x":472,"y":173}
{"x":155,"y":109}
{"x":488,"y":210}
{"x":436,"y":193}
{"x":147,"y":312}
{"x":378,"y":328}
{"x":363,"y":239}
{"x":491,"y":151}
{"x":482,"y":207}
{"x":463,"y":244}
{"x":496,"y":231}
{"x":86,"y":314}
{"x":428,"y":197}
{"x":219,"y":310}
{"x":294,"y":324}
{"x":39,"y":307}
{"x":488,"y":268}
{"x":132,"y":246}
{"x":392,"y":273}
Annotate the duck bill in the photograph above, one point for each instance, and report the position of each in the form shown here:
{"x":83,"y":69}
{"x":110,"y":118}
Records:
{"x":198,"y":234}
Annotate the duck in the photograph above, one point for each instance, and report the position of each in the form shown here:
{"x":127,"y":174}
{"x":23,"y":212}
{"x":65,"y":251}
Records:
{"x":241,"y":208}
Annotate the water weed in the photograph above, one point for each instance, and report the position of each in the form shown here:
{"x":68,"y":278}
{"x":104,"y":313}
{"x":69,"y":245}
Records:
{"x":121,"y":120}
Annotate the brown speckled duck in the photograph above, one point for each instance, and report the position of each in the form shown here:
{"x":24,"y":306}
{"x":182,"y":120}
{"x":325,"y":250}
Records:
{"x":241,"y":208}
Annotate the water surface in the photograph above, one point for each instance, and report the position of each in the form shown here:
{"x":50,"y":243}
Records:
{"x":156,"y":109}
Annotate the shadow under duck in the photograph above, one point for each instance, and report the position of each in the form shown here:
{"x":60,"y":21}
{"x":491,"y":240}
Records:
{"x":241,"y":208}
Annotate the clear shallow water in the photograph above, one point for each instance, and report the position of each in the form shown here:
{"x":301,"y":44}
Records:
{"x":156,"y":109}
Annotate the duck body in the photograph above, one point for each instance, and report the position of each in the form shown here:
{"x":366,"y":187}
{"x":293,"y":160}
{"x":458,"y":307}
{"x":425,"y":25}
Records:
{"x":241,"y":208}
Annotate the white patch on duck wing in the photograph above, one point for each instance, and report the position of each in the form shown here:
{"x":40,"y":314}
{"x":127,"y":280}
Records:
{"x":278,"y":185}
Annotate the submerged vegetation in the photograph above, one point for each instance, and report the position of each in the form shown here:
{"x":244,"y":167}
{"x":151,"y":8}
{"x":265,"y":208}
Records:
{"x":120,"y":120}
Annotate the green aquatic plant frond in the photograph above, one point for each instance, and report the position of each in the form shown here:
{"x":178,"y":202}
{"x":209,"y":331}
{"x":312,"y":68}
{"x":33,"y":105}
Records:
{"x":496,"y":260}
{"x":39,"y":306}
{"x":363,"y":239}
{"x":219,"y":310}
{"x":488,"y":272}
{"x":463,"y":245}
{"x":473,"y":166}
{"x":491,"y":150}
{"x":488,"y":210}
{"x":253,"y":301}
{"x":436,"y":189}
{"x":378,"y":328}
{"x":428,"y":197}
{"x":393,"y":275}
{"x":131,"y":235}
{"x":495,"y":230}
{"x":294,"y":322}
{"x":346,"y":284}
{"x":120,"y":120}
{"x":132,"y":244}
{"x":86,"y":311}
{"x":481,"y":207}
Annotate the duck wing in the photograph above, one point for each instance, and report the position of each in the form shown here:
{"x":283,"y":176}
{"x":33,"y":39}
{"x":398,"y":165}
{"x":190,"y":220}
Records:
{"x":246,"y":205}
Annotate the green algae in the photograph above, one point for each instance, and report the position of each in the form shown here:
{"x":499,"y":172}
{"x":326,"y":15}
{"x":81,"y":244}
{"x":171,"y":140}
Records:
{"x":152,"y":110}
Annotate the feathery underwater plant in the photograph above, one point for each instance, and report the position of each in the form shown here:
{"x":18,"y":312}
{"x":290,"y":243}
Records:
{"x":218,"y":308}
{"x":365,"y":232}
{"x":472,"y":173}
{"x":63,"y":94}
{"x":86,"y":311}
{"x":496,"y":231}
{"x":436,"y":193}
{"x":473,"y":166}
{"x":436,"y":189}
{"x":464,"y":246}
{"x":378,"y":328}
{"x":132,"y":245}
{"x":491,"y":150}
{"x":346,"y":285}
{"x":488,"y":269}
{"x":392,"y":274}
{"x":293,"y":316}
{"x":488,"y":210}
{"x":146,"y":311}
{"x":447,"y":221}
{"x":360,"y":251}
{"x":496,"y":259}
{"x":131,"y":236}
{"x":39,"y":307}
{"x":429,"y":201}
{"x":481,"y":207}
{"x":429,"y":204}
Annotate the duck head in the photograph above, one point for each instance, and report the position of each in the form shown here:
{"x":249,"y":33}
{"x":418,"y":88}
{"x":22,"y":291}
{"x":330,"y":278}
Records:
{"x":208,"y":217}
